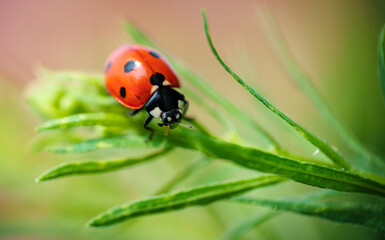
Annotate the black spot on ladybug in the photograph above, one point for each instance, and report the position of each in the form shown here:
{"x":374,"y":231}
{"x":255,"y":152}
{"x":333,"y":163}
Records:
{"x":154,"y":54}
{"x":122,"y":92}
{"x":157,"y":79}
{"x":108,"y":66}
{"x":129,"y":66}
{"x":137,"y":96}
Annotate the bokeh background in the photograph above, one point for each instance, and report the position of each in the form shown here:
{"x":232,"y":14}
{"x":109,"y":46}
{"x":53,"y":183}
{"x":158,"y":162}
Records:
{"x":334,"y":42}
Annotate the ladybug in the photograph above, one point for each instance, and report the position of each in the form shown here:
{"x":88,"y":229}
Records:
{"x":139,"y":77}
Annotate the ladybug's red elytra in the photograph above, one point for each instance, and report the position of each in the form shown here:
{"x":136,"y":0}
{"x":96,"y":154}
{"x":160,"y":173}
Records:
{"x":139,"y":77}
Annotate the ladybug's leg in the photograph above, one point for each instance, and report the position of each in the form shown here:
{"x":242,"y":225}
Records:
{"x":135,"y":111}
{"x":146,"y":122}
{"x":186,"y":104}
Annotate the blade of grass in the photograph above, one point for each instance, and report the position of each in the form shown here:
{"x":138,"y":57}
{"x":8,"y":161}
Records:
{"x":204,"y":87}
{"x":202,"y":195}
{"x":366,"y":215}
{"x":247,"y":224}
{"x":182,"y":175}
{"x":307,"y":173}
{"x":321,"y":144}
{"x":218,"y":115}
{"x":93,"y":167}
{"x":258,"y":219}
{"x":381,"y":58}
{"x":281,"y":49}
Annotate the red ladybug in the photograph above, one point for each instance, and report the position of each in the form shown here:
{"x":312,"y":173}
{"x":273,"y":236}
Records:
{"x":139,"y":77}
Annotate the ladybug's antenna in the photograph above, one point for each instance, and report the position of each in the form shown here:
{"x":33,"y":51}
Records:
{"x":165,"y":132}
{"x":188,"y":125}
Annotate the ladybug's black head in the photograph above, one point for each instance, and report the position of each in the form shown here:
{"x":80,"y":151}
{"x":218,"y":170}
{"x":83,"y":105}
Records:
{"x":157,"y":79}
{"x":171,"y":117}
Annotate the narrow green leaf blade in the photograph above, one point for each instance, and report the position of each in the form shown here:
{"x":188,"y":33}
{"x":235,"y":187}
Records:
{"x":321,"y":144}
{"x":247,"y":224}
{"x":381,"y":56}
{"x":257,"y":219}
{"x":87,"y":119}
{"x":368,"y":215}
{"x":210,"y":108}
{"x":137,"y":35}
{"x":170,"y":202}
{"x":182,"y":175}
{"x":307,"y":173}
{"x":271,"y":29}
{"x":93,"y":167}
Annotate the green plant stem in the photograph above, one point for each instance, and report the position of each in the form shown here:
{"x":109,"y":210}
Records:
{"x":247,"y":224}
{"x":218,"y":115}
{"x":182,"y":175}
{"x":381,"y":60}
{"x":321,"y":144}
{"x":307,"y":173}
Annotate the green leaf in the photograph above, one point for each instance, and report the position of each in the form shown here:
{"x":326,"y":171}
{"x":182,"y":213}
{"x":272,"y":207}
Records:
{"x":203,"y":87}
{"x":170,"y":202}
{"x":307,"y":173}
{"x":137,"y":35}
{"x":88,"y":119}
{"x":281,"y":49}
{"x":106,"y":143}
{"x":321,"y":144}
{"x":93,"y":167}
{"x":381,"y":58}
{"x":368,"y":215}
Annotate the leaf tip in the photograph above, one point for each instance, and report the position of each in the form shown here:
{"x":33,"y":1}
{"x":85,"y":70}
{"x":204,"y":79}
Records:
{"x":204,"y":16}
{"x":204,"y":11}
{"x":41,"y":178}
{"x":39,"y":129}
{"x":93,"y":222}
{"x":89,"y":224}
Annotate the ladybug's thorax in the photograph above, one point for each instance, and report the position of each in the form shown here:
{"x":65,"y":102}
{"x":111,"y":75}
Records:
{"x":167,"y":104}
